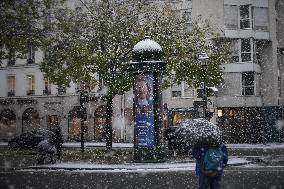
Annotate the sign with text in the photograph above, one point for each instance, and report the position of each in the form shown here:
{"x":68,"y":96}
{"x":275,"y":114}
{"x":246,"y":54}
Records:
{"x":144,"y":113}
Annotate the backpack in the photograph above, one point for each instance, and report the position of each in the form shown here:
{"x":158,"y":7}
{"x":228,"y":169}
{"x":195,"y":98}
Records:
{"x":213,"y":161}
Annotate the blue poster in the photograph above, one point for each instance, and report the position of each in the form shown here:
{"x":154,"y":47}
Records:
{"x":144,"y":113}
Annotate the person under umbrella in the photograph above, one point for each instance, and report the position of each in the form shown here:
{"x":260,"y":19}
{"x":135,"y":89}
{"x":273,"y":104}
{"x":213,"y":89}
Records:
{"x":210,"y":162}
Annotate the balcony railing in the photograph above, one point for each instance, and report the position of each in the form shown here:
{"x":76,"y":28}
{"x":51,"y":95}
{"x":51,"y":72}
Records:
{"x":30,"y":61}
{"x":11,"y":62}
{"x":61,"y":90}
{"x":11,"y":93}
{"x":30,"y":92}
{"x":46,"y":92}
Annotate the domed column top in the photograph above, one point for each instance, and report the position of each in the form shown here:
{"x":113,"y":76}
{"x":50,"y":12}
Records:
{"x":147,"y":50}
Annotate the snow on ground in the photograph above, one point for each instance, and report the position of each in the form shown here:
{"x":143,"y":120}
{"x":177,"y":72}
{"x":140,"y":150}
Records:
{"x":97,"y":144}
{"x":130,"y":167}
{"x":258,"y":146}
{"x":130,"y":145}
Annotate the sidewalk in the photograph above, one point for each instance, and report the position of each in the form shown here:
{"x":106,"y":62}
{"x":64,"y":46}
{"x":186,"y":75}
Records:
{"x":95,"y":158}
{"x":173,"y":164}
{"x":137,"y":167}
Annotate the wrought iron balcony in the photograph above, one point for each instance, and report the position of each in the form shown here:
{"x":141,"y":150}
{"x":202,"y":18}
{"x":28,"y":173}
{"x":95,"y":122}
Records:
{"x":30,"y":61}
{"x":11,"y":62}
{"x":46,"y":92}
{"x":11,"y":93}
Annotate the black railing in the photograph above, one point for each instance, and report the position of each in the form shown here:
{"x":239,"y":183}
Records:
{"x":11,"y":62}
{"x":46,"y":92}
{"x":61,"y":90}
{"x":11,"y":93}
{"x":30,"y":61}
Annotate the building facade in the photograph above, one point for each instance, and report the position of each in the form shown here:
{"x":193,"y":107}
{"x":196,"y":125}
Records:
{"x":249,"y":102}
{"x":248,"y":106}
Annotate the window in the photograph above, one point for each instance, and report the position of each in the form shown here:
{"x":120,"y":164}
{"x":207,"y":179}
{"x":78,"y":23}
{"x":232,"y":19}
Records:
{"x":246,"y":50}
{"x":11,"y":85}
{"x":11,"y":57}
{"x":47,"y":86}
{"x":260,"y":18}
{"x":187,"y":15}
{"x":182,"y":90}
{"x":248,"y":83}
{"x":61,"y":90}
{"x":245,"y":16}
{"x":258,"y":47}
{"x":231,"y":16}
{"x":248,"y":16}
{"x":176,"y":93}
{"x":31,"y":55}
{"x":235,"y":50}
{"x":31,"y":85}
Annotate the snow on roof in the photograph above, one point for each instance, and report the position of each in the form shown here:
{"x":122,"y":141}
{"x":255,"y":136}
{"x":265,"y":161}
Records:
{"x":147,"y":44}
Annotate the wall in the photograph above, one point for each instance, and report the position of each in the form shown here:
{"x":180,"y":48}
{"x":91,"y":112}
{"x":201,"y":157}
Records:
{"x":210,"y":9}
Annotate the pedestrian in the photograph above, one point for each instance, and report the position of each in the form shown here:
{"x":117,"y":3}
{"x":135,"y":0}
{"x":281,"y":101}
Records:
{"x":57,"y":140}
{"x":46,"y":152}
{"x":210,"y":161}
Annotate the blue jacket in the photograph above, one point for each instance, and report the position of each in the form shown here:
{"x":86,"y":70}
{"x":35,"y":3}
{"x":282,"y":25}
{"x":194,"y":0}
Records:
{"x":199,"y":153}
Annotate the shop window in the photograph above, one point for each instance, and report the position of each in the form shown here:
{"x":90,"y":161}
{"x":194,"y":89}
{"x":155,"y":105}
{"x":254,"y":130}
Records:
{"x":30,"y":120}
{"x":74,"y":124}
{"x":52,"y":121}
{"x":11,"y":85}
{"x":248,"y":83}
{"x":178,"y":117}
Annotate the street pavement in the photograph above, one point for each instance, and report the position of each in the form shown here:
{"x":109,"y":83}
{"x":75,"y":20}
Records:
{"x":250,"y":166}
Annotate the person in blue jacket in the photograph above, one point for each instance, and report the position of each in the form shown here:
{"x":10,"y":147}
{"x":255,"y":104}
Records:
{"x":205,"y":181}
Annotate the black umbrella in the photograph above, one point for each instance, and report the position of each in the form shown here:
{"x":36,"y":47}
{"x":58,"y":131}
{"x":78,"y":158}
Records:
{"x":198,"y":132}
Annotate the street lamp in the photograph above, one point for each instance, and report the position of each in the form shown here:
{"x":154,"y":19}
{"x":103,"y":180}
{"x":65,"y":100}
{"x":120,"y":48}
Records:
{"x":83,"y":115}
{"x":203,"y":60}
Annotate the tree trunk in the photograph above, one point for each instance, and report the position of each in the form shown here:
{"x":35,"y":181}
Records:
{"x":109,"y":112}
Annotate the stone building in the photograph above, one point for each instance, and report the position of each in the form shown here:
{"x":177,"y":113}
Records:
{"x":248,"y":105}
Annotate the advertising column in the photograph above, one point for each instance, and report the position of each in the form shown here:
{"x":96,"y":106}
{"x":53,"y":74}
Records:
{"x":144,"y":112}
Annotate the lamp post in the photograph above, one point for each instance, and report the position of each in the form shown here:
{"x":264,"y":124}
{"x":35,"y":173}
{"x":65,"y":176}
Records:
{"x":83,"y":115}
{"x":203,"y":60}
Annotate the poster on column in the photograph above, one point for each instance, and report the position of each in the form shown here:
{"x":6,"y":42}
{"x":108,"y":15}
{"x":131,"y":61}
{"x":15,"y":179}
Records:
{"x":143,"y":95}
